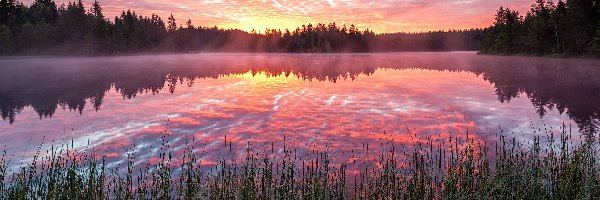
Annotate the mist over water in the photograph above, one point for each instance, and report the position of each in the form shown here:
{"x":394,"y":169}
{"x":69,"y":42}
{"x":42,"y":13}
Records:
{"x":338,"y":102}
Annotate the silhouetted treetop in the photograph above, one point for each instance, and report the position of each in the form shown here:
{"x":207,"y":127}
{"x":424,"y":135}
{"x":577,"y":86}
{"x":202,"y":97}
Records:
{"x":568,"y":27}
{"x":45,"y":28}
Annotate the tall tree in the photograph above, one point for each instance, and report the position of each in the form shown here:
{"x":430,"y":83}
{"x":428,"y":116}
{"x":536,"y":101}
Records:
{"x":539,"y":29}
{"x":171,"y":24}
{"x":501,"y":37}
{"x":99,"y":29}
{"x":559,"y":18}
{"x":96,"y":10}
{"x":73,"y":23}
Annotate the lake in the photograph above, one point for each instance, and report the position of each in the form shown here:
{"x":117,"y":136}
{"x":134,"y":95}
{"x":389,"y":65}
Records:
{"x":341,"y":103}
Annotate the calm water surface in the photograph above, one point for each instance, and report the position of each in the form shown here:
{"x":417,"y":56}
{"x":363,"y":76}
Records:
{"x":339,"y":102}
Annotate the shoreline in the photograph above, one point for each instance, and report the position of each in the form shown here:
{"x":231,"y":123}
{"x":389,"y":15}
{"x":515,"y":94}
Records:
{"x":559,"y":56}
{"x":542,"y":56}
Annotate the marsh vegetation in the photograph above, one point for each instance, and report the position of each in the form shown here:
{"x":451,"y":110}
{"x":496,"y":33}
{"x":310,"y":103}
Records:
{"x":550,"y":167}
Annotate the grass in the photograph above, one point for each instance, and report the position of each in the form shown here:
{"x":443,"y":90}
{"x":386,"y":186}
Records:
{"x":471,"y":169}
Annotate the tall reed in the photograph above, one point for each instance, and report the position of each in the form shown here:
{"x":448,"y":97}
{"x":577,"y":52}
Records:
{"x":468,"y":169}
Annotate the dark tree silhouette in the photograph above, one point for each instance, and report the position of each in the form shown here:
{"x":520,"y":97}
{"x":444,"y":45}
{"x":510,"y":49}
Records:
{"x":172,"y":24}
{"x":569,"y":27}
{"x":45,"y":28}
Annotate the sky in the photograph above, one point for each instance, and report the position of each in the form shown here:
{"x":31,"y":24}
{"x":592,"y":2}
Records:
{"x":379,"y":16}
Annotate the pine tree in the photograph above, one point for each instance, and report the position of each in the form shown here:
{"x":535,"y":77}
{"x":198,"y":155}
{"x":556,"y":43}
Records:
{"x":172,"y":24}
{"x":189,"y":24}
{"x":98,"y":29}
{"x":96,"y":11}
{"x":73,"y":28}
{"x":500,"y":38}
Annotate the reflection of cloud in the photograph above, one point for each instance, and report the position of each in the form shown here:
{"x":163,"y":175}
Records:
{"x":403,"y":106}
{"x":382,"y":16}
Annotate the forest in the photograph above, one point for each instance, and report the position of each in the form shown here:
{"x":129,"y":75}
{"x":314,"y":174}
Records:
{"x":45,"y":28}
{"x":569,"y":27}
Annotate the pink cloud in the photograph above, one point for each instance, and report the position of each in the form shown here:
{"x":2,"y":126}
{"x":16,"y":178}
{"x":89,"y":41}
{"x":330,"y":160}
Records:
{"x":380,"y":16}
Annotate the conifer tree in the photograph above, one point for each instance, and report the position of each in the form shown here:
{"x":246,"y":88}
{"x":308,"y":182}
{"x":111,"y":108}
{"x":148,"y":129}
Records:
{"x":172,"y":24}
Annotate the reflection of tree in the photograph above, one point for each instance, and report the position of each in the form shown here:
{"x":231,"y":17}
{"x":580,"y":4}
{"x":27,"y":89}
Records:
{"x":9,"y":107}
{"x":565,"y":87}
{"x":569,"y":86}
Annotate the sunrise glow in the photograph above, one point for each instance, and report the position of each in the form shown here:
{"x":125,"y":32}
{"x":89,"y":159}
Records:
{"x":380,"y":16}
{"x":299,"y":99}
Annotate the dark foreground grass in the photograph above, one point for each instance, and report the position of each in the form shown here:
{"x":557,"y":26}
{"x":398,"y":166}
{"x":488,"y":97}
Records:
{"x":472,"y":170}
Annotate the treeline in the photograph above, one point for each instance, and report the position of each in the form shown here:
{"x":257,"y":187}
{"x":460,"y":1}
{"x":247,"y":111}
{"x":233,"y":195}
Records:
{"x":569,"y":27}
{"x":46,"y":28}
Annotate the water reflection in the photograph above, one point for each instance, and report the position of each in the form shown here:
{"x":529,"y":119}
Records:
{"x":341,"y":102}
{"x":570,"y":86}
